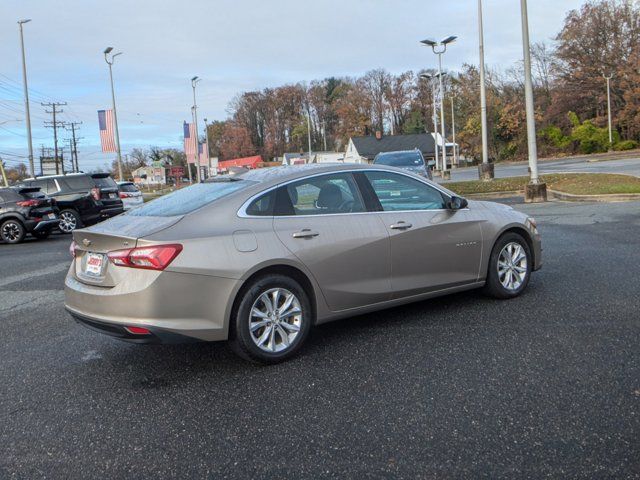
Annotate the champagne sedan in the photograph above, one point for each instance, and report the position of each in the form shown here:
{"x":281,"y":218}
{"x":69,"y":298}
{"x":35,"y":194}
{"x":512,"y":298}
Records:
{"x":261,"y":257}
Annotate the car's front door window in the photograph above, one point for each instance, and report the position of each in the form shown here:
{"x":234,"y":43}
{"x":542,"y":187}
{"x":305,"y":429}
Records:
{"x":402,"y":193}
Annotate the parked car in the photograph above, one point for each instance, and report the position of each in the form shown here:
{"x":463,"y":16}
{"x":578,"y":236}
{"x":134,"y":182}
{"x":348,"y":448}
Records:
{"x":260,"y":258}
{"x":409,"y":160}
{"x":130,"y":195}
{"x":83,"y":199}
{"x":26,"y":210}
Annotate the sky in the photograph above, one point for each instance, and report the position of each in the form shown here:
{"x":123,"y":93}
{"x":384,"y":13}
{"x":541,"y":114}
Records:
{"x":233,"y":46}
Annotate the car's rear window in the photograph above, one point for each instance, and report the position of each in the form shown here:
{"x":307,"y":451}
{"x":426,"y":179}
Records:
{"x":105,"y":182}
{"x":128,"y":187}
{"x":400,"y":159}
{"x":189,"y":199}
{"x":80,"y":182}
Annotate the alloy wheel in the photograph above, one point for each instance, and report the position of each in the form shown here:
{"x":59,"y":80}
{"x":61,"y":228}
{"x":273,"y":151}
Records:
{"x":11,"y":231}
{"x":275,"y":320}
{"x":68,"y":222}
{"x":512,"y":266}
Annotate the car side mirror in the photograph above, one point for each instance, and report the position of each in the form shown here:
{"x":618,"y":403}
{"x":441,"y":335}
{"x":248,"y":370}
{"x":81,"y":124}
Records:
{"x":457,"y":203}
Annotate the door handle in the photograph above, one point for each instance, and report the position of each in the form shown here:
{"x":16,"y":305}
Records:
{"x":401,"y":226}
{"x":306,"y":233}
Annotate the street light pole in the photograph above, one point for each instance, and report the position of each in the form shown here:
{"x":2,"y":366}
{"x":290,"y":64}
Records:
{"x":309,"y":131}
{"x":206,"y":139}
{"x":106,"y":52}
{"x":608,"y":79}
{"x":486,"y":170}
{"x":26,"y":98}
{"x":440,"y":48}
{"x":535,"y":191}
{"x":194,"y":82}
{"x":453,"y":132}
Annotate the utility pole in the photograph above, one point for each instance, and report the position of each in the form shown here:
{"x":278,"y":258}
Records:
{"x":74,"y":150}
{"x":4,"y":174}
{"x":194,"y":82}
{"x":26,"y":97}
{"x":206,"y":140}
{"x":55,"y":124}
{"x":608,"y":79}
{"x":486,"y":170}
{"x":535,"y":191}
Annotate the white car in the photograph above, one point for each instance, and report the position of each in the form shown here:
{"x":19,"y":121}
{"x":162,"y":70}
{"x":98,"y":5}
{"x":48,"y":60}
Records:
{"x":130,"y":195}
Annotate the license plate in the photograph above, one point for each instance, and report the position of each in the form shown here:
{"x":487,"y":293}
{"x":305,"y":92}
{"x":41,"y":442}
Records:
{"x":52,"y":216}
{"x":94,"y":263}
{"x":112,"y":195}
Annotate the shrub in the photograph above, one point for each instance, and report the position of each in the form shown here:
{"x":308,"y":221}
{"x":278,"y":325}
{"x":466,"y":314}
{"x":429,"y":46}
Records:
{"x":625,"y":145}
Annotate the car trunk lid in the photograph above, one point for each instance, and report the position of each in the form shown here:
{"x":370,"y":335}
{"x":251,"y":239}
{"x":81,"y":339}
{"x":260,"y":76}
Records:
{"x":93,"y":244}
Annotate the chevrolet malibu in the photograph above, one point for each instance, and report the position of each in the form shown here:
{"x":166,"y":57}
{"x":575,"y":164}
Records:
{"x":261,"y":257}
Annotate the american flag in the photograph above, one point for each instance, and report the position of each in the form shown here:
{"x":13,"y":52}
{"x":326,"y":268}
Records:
{"x":105,"y":121}
{"x":203,"y":154}
{"x":189,"y":142}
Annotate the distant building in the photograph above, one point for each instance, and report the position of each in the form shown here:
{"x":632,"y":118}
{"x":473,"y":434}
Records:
{"x":316,"y":157}
{"x":364,"y":149}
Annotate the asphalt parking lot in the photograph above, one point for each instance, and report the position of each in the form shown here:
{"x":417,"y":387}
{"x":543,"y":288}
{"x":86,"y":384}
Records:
{"x":546,"y":385}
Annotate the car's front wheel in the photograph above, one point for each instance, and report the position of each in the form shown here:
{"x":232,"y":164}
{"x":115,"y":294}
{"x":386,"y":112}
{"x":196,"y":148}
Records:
{"x":69,"y":221}
{"x":272,"y":320}
{"x":510,"y":267}
{"x":12,"y":231}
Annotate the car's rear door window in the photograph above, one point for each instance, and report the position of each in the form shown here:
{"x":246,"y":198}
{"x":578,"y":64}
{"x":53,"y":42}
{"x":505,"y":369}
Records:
{"x":401,"y":193}
{"x":324,"y":195}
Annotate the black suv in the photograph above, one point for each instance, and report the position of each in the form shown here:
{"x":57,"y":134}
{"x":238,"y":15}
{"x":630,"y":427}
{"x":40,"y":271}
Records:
{"x":26,"y":210}
{"x":83,"y":198}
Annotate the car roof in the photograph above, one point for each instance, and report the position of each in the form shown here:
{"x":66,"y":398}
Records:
{"x":66,"y":175}
{"x":276,"y":175}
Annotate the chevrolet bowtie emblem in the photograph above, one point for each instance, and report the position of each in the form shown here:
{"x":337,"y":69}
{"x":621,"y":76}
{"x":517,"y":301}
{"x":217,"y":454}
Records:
{"x":86,"y":242}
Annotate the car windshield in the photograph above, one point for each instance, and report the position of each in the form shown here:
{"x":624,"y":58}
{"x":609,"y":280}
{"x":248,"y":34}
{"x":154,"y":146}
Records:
{"x":400,"y":159}
{"x":190,"y":198}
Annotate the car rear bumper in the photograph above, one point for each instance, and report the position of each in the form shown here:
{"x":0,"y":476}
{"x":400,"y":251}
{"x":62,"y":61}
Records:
{"x":111,"y":212}
{"x":46,"y":225}
{"x":171,"y":305}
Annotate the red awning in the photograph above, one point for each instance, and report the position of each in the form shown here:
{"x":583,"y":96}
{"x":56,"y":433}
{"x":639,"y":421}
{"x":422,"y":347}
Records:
{"x":247,"y":162}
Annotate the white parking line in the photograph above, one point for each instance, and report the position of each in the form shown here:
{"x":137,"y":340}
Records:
{"x":55,"y":268}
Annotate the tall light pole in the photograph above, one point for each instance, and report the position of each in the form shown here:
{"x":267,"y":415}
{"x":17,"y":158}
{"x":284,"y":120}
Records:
{"x":110,"y":61}
{"x":485,"y":170}
{"x":206,"y":139}
{"x":26,"y":98}
{"x":309,"y":131}
{"x":608,"y":79}
{"x":194,"y":82}
{"x":440,"y":48}
{"x":535,"y":191}
{"x":431,"y":79}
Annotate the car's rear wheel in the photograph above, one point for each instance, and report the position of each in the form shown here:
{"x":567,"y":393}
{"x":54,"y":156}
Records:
{"x":12,"y":231}
{"x":510,"y":267}
{"x":69,"y":221}
{"x":41,"y":234}
{"x":272,"y":320}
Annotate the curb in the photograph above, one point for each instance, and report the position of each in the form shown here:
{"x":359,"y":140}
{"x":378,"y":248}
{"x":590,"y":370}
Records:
{"x":613,"y":197}
{"x":509,"y":194}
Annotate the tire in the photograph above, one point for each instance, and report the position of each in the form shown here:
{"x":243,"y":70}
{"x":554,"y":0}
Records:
{"x":258,"y":344}
{"x":12,"y":231}
{"x":508,"y":279}
{"x":41,"y":234}
{"x":69,"y":221}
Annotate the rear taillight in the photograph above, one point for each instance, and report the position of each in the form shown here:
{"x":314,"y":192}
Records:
{"x":28,"y":203}
{"x":123,"y":195}
{"x":72,"y":249}
{"x":157,"y":257}
{"x":95,"y":193}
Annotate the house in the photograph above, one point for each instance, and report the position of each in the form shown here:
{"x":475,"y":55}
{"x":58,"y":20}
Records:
{"x":364,"y":149}
{"x":316,"y":157}
{"x":153,"y":175}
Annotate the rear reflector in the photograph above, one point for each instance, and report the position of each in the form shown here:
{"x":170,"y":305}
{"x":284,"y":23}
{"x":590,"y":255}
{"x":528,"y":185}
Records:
{"x":156,"y":257}
{"x":137,"y":330}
